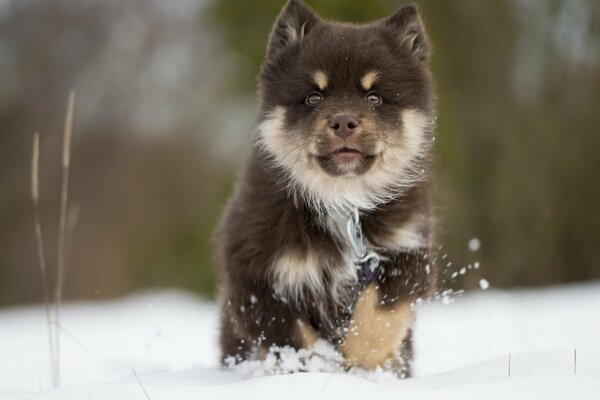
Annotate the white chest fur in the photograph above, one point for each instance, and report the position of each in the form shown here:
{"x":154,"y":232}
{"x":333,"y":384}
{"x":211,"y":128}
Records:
{"x":298,"y":273}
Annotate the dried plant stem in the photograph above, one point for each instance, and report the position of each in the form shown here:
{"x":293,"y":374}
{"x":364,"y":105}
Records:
{"x":62,"y":227}
{"x":72,"y":219}
{"x":35,"y":157}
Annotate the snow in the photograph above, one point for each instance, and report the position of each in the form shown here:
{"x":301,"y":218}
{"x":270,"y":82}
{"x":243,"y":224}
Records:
{"x":474,"y":244}
{"x":169,"y":340}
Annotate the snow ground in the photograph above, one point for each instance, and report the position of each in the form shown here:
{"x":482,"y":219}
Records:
{"x":169,"y":339}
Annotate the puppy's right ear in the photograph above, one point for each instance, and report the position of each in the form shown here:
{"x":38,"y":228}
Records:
{"x":292,"y":25}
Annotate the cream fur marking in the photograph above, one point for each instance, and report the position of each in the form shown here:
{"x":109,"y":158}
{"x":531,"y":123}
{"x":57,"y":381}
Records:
{"x":369,"y":79}
{"x":415,"y":124}
{"x":320,"y":79}
{"x":295,"y":35}
{"x":407,"y":236}
{"x":292,"y":33}
{"x":395,"y":169}
{"x":375,"y":334}
{"x":296,"y":273}
{"x":293,"y":272}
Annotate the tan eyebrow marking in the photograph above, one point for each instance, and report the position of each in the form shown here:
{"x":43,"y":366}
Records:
{"x":320,"y":79}
{"x":369,"y":79}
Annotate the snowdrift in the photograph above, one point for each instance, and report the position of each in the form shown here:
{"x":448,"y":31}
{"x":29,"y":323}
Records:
{"x":168,"y":339}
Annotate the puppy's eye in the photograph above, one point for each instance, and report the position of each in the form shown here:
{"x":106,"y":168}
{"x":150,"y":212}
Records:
{"x":314,"y":98}
{"x":373,"y":98}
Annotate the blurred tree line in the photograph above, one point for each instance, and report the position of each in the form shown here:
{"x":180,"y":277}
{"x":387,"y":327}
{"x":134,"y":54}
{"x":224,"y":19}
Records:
{"x":146,"y":171}
{"x":517,"y":142}
{"x":165,"y":110}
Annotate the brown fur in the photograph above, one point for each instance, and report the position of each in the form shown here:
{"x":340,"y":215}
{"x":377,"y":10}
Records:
{"x":285,"y":263}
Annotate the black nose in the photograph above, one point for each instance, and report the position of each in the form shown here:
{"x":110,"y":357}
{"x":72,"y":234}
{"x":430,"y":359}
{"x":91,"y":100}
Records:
{"x":343,"y":125}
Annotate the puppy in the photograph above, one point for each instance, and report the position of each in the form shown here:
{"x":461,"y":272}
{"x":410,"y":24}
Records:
{"x":327,"y":234}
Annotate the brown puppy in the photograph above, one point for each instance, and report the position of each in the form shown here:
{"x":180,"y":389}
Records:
{"x":342,"y":150}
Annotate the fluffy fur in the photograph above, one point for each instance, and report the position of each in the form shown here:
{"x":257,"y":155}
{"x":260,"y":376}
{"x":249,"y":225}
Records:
{"x":345,"y":122}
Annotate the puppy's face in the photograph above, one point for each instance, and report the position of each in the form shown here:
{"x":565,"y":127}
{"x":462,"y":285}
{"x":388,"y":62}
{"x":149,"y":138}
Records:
{"x":346,"y":109}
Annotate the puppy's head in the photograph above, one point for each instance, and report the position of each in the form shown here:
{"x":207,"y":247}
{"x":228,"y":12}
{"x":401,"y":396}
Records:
{"x":346,"y":110}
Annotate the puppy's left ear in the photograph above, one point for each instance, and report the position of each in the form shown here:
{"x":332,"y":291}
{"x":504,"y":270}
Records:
{"x":293,"y":23}
{"x":406,"y":24}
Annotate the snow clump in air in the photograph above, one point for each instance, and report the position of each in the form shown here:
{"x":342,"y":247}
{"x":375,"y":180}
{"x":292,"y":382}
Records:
{"x":484,"y":284}
{"x":474,"y":244}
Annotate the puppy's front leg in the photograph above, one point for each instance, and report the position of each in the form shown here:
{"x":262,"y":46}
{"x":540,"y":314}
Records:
{"x":376,"y":332}
{"x":252,"y":321}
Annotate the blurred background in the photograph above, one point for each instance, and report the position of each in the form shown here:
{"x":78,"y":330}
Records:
{"x":165,"y":111}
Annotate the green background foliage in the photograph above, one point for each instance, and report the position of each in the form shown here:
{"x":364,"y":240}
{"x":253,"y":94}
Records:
{"x":522,"y":176}
{"x":166,"y":93}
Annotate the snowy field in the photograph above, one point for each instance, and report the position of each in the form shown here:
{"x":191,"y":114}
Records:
{"x":169,"y":340}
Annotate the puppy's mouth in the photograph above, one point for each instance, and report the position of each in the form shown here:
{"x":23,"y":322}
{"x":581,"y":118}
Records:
{"x":346,"y":161}
{"x":346,"y":154}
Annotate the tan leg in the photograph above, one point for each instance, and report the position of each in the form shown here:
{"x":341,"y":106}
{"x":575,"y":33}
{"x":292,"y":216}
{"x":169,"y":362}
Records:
{"x":307,"y":333}
{"x":375,"y":333}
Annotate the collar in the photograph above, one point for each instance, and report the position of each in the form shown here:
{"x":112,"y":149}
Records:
{"x":366,"y":260}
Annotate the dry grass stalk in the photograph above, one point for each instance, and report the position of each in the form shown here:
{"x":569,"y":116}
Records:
{"x":62,"y":227}
{"x":35,"y":196}
{"x":72,"y":219}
